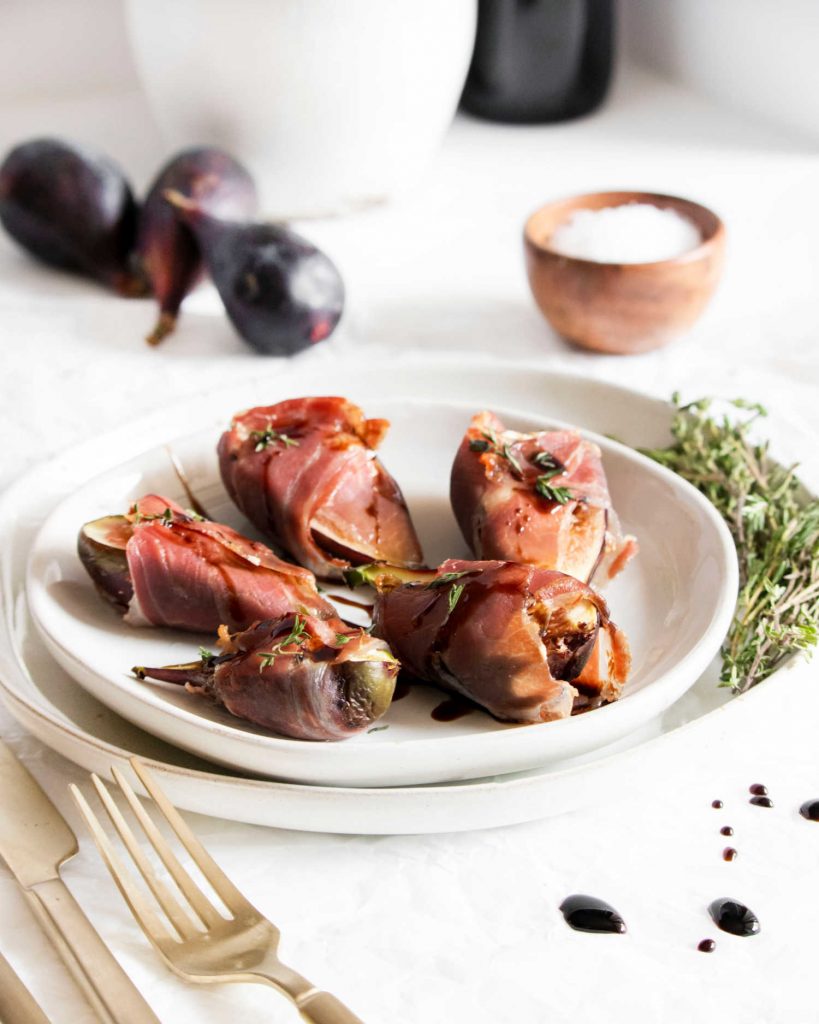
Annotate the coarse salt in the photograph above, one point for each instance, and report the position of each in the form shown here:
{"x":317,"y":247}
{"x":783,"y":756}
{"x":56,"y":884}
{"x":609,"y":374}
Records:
{"x":631,"y":233}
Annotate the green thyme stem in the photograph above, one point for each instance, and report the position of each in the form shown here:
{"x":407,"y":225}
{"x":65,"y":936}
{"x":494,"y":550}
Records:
{"x":775,"y":527}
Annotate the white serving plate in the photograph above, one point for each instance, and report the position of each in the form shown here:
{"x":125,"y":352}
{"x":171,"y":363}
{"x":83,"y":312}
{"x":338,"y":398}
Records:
{"x":674,"y":602}
{"x":65,"y":717}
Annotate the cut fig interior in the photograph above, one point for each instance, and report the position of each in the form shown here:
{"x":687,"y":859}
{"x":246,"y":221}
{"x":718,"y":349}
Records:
{"x":101,"y":547}
{"x":568,"y":633}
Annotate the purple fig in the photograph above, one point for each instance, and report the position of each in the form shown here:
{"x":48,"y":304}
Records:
{"x":167,"y":253}
{"x":303,"y":677}
{"x":281,"y":293}
{"x":71,"y":208}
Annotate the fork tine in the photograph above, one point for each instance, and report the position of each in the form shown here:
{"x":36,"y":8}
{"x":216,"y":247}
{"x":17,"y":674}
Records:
{"x":206,"y":911}
{"x":162,"y":894}
{"x":227,"y":891}
{"x":148,"y":921}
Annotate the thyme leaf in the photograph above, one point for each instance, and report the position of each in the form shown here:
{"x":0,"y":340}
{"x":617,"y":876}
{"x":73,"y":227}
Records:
{"x":269,"y":436}
{"x":508,"y":454}
{"x":444,"y":579}
{"x":454,"y":595}
{"x":546,"y":462}
{"x":775,"y":527}
{"x":342,"y":639}
{"x":490,"y":443}
{"x":559,"y":494}
{"x":166,"y":517}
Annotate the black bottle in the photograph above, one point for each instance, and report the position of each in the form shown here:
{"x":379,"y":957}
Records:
{"x":540,"y":60}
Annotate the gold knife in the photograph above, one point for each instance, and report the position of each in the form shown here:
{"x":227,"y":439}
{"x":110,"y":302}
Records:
{"x":17,"y":1004}
{"x":35,"y":841}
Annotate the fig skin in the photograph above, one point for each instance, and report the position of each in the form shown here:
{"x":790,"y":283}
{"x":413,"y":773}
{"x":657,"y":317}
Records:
{"x":167,"y":253}
{"x":281,"y":293}
{"x":71,"y":208}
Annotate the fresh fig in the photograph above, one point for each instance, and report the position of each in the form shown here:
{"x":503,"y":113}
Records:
{"x":281,"y":293}
{"x":312,"y":679}
{"x":71,"y":208}
{"x":167,"y":253}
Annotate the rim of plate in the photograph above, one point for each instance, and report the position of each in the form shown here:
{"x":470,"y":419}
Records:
{"x":672,"y":680}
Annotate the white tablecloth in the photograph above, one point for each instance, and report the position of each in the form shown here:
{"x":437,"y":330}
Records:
{"x":465,"y":928}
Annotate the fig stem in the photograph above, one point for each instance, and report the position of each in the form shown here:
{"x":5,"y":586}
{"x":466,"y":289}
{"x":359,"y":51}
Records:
{"x":130,"y":285}
{"x":180,"y":201}
{"x":165,"y":325}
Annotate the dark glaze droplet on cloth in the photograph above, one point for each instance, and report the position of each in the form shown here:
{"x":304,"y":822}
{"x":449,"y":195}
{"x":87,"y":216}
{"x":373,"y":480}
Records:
{"x":590,"y":914}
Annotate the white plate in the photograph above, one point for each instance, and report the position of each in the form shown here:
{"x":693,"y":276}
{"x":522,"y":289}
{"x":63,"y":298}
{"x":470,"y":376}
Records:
{"x":64,"y":716}
{"x":674,"y":602}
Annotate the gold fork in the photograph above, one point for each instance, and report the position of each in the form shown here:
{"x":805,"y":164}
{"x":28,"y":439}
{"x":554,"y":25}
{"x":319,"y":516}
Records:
{"x":207,"y":947}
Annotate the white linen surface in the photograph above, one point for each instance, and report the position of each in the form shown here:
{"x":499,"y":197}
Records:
{"x":465,"y":927}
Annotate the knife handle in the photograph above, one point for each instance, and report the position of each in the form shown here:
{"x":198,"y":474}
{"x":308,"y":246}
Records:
{"x":17,"y":1005}
{"x":104,"y":983}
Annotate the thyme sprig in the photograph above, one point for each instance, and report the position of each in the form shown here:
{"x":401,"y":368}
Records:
{"x":775,"y":527}
{"x":297,"y":635}
{"x":559,"y":494}
{"x":489,"y":443}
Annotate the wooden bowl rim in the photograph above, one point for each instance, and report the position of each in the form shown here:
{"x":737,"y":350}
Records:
{"x":621,"y":198}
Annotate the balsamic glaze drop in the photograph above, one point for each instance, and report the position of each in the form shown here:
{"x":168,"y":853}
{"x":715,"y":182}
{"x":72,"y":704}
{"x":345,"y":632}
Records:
{"x":810,"y":810}
{"x":761,"y":801}
{"x":589,"y":914}
{"x":758,"y":789}
{"x":451,"y":709}
{"x":734,"y":917}
{"x":729,"y":853}
{"x":707,"y":946}
{"x":726,"y":830}
{"x":716,"y":804}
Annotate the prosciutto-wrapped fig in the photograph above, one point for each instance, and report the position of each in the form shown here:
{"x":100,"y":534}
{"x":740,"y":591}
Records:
{"x":162,"y":566}
{"x":306,"y":474}
{"x":309,"y":678}
{"x":528,"y":644}
{"x":541,"y":499}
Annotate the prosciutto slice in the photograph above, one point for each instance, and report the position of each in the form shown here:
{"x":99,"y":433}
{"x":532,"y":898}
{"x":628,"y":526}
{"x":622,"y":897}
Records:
{"x":528,"y":644}
{"x":540,"y":498}
{"x":304,"y":677}
{"x":177,"y":569}
{"x":306,"y":474}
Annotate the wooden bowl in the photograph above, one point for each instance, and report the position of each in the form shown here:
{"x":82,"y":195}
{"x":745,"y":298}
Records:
{"x":622,"y":307}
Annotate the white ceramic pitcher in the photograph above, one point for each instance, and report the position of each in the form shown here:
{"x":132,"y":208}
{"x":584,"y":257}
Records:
{"x":333,"y":104}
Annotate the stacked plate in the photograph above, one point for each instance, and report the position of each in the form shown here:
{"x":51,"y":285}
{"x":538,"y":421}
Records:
{"x":67,"y":656}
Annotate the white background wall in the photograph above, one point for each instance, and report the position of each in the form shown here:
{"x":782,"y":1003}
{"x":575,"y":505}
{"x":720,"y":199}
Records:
{"x":761,"y":56}
{"x":55,"y":47}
